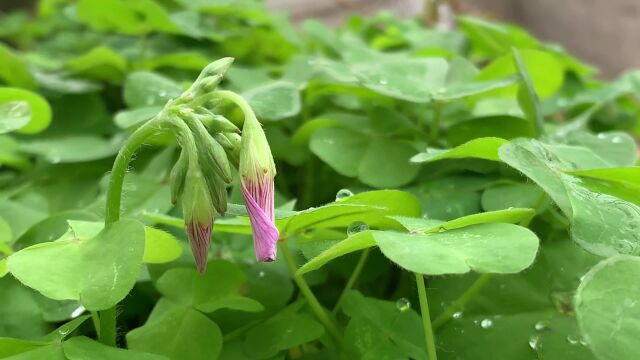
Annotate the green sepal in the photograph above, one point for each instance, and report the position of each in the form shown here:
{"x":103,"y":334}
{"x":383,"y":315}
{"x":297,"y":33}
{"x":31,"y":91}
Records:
{"x":178,"y":175}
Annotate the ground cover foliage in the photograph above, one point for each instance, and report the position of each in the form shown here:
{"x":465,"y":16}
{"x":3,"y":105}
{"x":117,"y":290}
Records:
{"x":493,"y":167}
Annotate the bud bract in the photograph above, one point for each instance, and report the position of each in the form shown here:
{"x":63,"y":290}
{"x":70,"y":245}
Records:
{"x":257,"y":171}
{"x":178,"y":175}
{"x":198,"y":216}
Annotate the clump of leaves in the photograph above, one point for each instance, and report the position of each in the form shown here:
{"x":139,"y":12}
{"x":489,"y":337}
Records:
{"x":452,"y":194}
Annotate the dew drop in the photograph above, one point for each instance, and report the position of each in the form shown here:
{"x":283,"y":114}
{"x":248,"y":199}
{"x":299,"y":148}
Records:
{"x":162,"y":93}
{"x":77,"y":312}
{"x":457,"y":315}
{"x":357,"y":227}
{"x":19,"y":109}
{"x":573,"y":340}
{"x":486,"y":323}
{"x":383,"y":82}
{"x":534,"y":342}
{"x":616,"y":139}
{"x":343,"y":194}
{"x":541,"y":326}
{"x":54,"y":159}
{"x":403,"y":304}
{"x":261,"y":274}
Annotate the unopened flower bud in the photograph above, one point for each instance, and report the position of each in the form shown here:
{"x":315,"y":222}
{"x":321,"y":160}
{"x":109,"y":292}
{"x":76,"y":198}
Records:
{"x":177,"y":176}
{"x":257,"y":171}
{"x":209,"y":151}
{"x":218,"y":67}
{"x":198,"y":216}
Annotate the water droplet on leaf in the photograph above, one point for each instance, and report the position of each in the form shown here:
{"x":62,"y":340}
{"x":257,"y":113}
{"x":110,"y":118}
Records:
{"x":541,"y":326}
{"x":486,"y":323}
{"x":357,"y":227}
{"x":573,"y":340}
{"x":261,"y":274}
{"x":343,"y":194}
{"x":534,"y":342}
{"x":457,"y":315}
{"x":403,"y":304}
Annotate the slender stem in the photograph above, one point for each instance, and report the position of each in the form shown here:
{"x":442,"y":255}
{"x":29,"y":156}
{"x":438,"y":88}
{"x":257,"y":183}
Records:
{"x":236,"y":99}
{"x":426,"y":318}
{"x":462,"y":301}
{"x":313,"y":302}
{"x":114,"y":192}
{"x":95,"y":318}
{"x":435,"y":124}
{"x":107,"y":333}
{"x":352,"y":279}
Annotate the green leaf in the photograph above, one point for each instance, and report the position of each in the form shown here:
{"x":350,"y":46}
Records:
{"x":133,"y":18}
{"x":376,"y":161}
{"x":510,"y":215}
{"x":10,"y":346}
{"x":480,"y":148}
{"x":96,"y":270}
{"x":623,"y":176}
{"x":492,"y":39}
{"x":281,"y":332}
{"x":371,"y":207}
{"x":602,"y":224}
{"x":74,"y":148}
{"x":485,"y":248}
{"x":527,"y":96}
{"x":359,"y":241}
{"x":147,"y":89}
{"x":615,"y":148}
{"x":461,"y":90}
{"x":606,"y":308}
{"x":546,"y":72}
{"x":83,"y":348}
{"x":159,"y":246}
{"x":507,"y":196}
{"x":182,"y":334}
{"x":128,"y":118}
{"x":23,"y":110}
{"x":13,"y":70}
{"x":415,"y":80}
{"x":274,"y":101}
{"x":219,"y":287}
{"x":10,"y":154}
{"x":504,"y":127}
{"x":101,"y":63}
{"x":378,"y":325}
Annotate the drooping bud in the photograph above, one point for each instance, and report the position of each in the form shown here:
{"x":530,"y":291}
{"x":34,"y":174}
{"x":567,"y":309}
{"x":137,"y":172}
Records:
{"x":198,"y":216}
{"x":177,"y":176}
{"x":209,"y":150}
{"x":257,"y":171}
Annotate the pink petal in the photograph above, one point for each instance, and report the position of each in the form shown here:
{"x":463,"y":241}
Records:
{"x":199,"y":239}
{"x":259,"y":200}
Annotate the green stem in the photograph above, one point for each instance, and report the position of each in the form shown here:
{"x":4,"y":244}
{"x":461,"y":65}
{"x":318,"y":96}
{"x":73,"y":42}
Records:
{"x":238,"y":100}
{"x":352,"y":279}
{"x":107,"y":318}
{"x":114,"y":191}
{"x":426,"y":318}
{"x":462,"y":301}
{"x":313,"y":302}
{"x":435,"y":124}
{"x":95,"y":318}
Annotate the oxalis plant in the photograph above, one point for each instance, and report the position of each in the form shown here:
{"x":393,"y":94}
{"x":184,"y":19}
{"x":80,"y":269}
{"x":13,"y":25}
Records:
{"x":464,"y":194}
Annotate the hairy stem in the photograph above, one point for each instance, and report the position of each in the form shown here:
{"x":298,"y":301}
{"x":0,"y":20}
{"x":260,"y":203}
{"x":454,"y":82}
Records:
{"x":462,"y":301}
{"x":352,"y":279}
{"x":107,"y":318}
{"x":313,"y":302}
{"x":426,"y":318}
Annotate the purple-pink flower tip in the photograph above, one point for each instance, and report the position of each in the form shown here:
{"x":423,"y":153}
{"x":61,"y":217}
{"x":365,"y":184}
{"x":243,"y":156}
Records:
{"x":199,"y":238}
{"x":259,"y":200}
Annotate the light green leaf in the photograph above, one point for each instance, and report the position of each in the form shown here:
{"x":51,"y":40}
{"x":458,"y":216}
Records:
{"x":359,"y":241}
{"x":97,"y":271}
{"x":460,"y":90}
{"x":146,"y":89}
{"x":506,"y":196}
{"x":13,"y":70}
{"x":484,"y":248}
{"x":615,"y":148}
{"x":602,"y":224}
{"x":625,"y":176}
{"x":83,"y":348}
{"x":159,"y":246}
{"x":377,"y":161}
{"x":274,"y":101}
{"x":502,"y":126}
{"x":23,"y":107}
{"x":527,"y":96}
{"x":546,"y":72}
{"x":219,"y":287}
{"x":480,"y":148}
{"x":606,"y":308}
{"x":283,"y":331}
{"x":100,"y":63}
{"x":128,"y":118}
{"x":415,"y":80}
{"x":133,"y":17}
{"x":184,"y":334}
{"x":73,"y":148}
